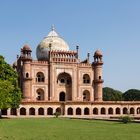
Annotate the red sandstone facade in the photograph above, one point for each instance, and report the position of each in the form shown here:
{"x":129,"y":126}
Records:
{"x":59,"y":82}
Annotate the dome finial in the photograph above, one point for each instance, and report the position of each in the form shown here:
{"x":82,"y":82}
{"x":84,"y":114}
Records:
{"x":52,"y":27}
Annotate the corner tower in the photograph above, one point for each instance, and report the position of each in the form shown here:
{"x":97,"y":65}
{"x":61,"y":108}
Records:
{"x":98,"y":81}
{"x":26,"y":71}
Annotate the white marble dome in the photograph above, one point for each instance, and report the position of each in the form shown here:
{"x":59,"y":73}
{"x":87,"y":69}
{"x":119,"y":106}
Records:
{"x":57,"y":43}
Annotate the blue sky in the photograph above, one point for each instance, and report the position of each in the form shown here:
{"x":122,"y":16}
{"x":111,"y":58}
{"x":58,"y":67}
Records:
{"x":110,"y":25}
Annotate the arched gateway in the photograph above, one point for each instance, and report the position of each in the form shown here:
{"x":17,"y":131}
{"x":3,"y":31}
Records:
{"x":64,"y":83}
{"x":62,"y":96}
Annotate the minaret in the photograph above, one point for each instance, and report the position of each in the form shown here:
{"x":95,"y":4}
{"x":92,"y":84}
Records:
{"x":26,"y":71}
{"x":98,"y":81}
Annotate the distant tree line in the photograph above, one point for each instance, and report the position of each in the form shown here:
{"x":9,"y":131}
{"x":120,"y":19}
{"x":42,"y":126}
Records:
{"x":110,"y":94}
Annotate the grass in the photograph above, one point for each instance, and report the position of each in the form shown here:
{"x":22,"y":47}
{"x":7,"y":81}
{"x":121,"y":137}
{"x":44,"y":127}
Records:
{"x":66,"y":129}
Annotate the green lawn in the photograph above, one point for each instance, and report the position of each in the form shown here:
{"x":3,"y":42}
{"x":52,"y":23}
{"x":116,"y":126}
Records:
{"x":66,"y":129}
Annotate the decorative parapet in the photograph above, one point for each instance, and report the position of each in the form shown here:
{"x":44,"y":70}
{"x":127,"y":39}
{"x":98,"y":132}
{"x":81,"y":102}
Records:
{"x":39,"y":62}
{"x":85,"y":65}
{"x":64,"y":56}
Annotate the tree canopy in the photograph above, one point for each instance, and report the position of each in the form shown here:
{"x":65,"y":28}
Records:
{"x":10,"y":94}
{"x":132,"y":95}
{"x":110,"y":94}
{"x":6,"y":89}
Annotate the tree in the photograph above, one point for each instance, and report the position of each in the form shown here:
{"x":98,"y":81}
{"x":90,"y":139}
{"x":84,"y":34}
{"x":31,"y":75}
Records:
{"x":6,"y":89}
{"x":125,"y":119}
{"x":110,"y":94}
{"x":10,"y":94}
{"x":57,"y":114}
{"x":131,"y":95}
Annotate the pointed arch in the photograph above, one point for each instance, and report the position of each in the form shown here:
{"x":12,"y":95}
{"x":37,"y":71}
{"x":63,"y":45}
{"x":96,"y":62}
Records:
{"x":27,"y":75}
{"x":41,"y":111}
{"x":62,"y":96}
{"x":58,"y":110}
{"x":125,"y":110}
{"x":4,"y":111}
{"x":40,"y":94}
{"x":78,"y":111}
{"x":95,"y":111}
{"x":40,"y":77}
{"x":49,"y":111}
{"x":31,"y":111}
{"x":64,"y":81}
{"x":110,"y":110}
{"x":86,"y":111}
{"x":138,"y":110}
{"x":86,"y":79}
{"x":103,"y":110}
{"x":70,"y":111}
{"x":86,"y":95}
{"x":22,"y":111}
{"x":13,"y":111}
{"x":118,"y":111}
{"x":132,"y":110}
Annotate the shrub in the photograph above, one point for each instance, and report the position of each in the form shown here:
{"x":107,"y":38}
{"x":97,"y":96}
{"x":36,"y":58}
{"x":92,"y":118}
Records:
{"x":57,"y":114}
{"x":126,"y":119}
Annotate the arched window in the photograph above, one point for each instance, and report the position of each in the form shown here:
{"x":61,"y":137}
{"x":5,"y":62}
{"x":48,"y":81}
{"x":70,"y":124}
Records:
{"x":31,"y":111}
{"x":110,"y":110}
{"x":58,"y":110}
{"x":40,"y":77}
{"x":62,"y":96}
{"x":86,"y":111}
{"x":70,"y":111}
{"x":103,"y":111}
{"x":78,"y":111}
{"x":138,"y":110}
{"x":118,"y":110}
{"x":22,"y":111}
{"x":86,"y":95}
{"x":13,"y":111}
{"x":27,"y":75}
{"x":132,"y":110}
{"x":49,"y":111}
{"x":64,"y":79}
{"x":86,"y":79}
{"x":41,"y":111}
{"x":4,"y":111}
{"x":40,"y":95}
{"x":125,"y":110}
{"x":95,"y":111}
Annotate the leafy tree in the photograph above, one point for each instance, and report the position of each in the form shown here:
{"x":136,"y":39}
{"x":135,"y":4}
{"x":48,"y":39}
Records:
{"x":110,"y":94}
{"x":10,"y":94}
{"x":131,"y":95}
{"x":6,"y":89}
